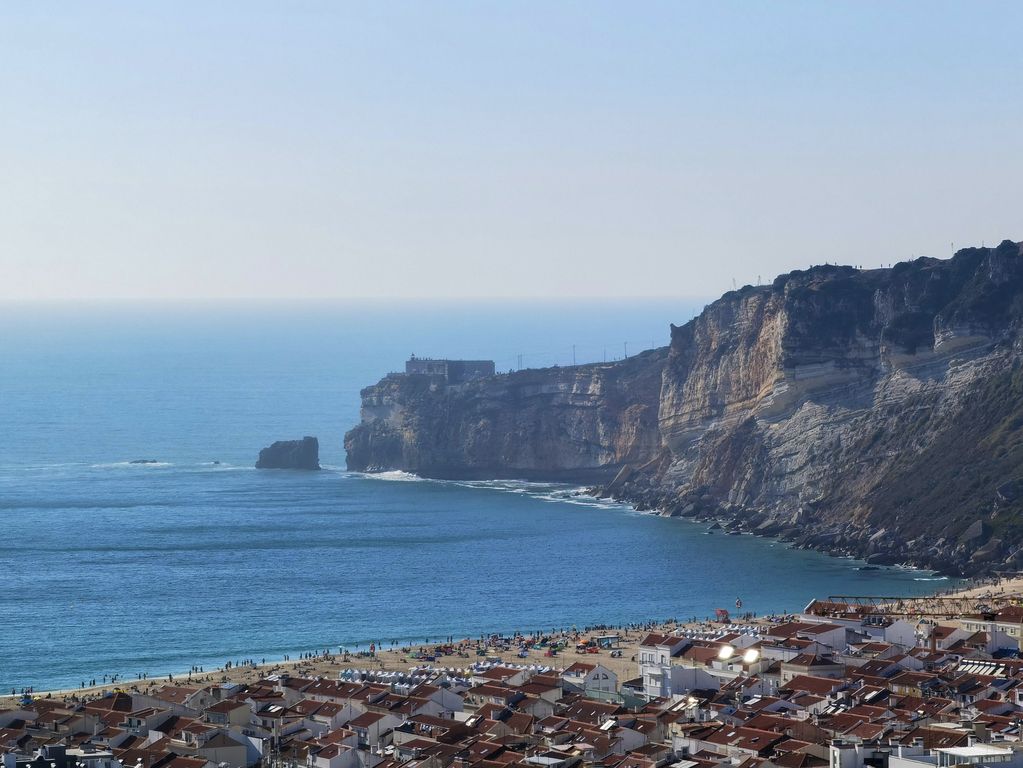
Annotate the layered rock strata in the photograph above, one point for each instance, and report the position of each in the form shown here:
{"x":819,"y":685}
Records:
{"x":877,"y":413}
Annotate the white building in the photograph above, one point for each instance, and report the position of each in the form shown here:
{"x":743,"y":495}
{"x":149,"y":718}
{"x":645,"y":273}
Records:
{"x":655,"y":653}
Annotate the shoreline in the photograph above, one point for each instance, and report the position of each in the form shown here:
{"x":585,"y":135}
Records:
{"x":214,"y":667}
{"x":400,"y":657}
{"x":726,"y":524}
{"x":326,"y":663}
{"x":723,"y":524}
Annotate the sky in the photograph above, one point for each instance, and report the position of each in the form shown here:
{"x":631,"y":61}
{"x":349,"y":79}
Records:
{"x":205,"y":150}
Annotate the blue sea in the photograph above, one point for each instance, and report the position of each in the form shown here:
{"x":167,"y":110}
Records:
{"x":112,"y":567}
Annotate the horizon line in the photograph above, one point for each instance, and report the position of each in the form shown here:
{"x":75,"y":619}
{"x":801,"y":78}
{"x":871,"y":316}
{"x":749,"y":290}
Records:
{"x":320,"y":300}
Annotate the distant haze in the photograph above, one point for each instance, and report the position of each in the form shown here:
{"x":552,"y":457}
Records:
{"x":482,"y":149}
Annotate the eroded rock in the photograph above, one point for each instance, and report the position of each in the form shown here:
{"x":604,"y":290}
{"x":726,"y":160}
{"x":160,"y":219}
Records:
{"x":291,"y":454}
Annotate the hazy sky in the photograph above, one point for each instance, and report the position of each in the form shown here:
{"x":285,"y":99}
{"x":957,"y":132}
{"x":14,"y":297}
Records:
{"x":292,"y":149}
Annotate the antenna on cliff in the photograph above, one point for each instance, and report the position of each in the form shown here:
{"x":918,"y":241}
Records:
{"x":573,"y":354}
{"x":605,"y":354}
{"x":520,"y":361}
{"x":626,"y":344}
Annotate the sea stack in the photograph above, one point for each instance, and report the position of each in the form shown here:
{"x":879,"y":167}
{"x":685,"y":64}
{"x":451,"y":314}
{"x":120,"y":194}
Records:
{"x":291,"y":454}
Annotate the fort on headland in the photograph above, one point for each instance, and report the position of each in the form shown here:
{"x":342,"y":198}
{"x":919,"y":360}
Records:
{"x":876,"y":413}
{"x":453,"y":371}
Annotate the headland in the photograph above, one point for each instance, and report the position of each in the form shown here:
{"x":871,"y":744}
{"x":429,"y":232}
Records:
{"x":875,"y":413}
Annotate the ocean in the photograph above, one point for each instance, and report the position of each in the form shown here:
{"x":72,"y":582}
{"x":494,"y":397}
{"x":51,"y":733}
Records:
{"x":112,"y":567}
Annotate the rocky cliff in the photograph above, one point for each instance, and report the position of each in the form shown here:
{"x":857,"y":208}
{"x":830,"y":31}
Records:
{"x":291,"y":454}
{"x":876,"y":413}
{"x":579,"y":424}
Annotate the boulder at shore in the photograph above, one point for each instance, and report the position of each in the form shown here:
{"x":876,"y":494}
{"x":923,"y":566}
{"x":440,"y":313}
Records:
{"x":291,"y":454}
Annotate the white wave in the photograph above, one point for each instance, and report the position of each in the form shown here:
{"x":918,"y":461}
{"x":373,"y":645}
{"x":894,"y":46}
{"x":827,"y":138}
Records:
{"x":201,"y":466}
{"x":931,"y":578}
{"x":517,"y":486}
{"x":132,"y":465}
{"x":547,"y":492}
{"x":593,"y":502}
{"x":394,"y":475}
{"x":44,"y":467}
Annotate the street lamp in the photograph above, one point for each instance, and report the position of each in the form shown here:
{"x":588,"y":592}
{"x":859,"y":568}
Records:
{"x":726,"y":652}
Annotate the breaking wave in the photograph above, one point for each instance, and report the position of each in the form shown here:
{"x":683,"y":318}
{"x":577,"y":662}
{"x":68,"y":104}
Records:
{"x":132,"y":465}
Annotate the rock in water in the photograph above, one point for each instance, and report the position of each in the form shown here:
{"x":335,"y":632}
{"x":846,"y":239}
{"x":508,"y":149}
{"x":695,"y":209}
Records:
{"x":291,"y":454}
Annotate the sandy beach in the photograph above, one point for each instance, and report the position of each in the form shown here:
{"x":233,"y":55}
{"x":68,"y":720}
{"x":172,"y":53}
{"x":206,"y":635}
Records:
{"x":328,"y":664}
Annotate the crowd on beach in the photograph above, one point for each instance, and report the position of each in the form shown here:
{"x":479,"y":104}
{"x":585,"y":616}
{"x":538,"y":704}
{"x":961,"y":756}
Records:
{"x":403,"y":651}
{"x":565,"y":692}
{"x":396,"y":652}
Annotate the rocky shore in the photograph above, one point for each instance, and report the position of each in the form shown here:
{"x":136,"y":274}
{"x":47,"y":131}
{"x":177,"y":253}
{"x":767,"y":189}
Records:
{"x":875,"y":413}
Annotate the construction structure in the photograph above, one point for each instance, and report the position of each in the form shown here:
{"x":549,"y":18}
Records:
{"x":927,"y":606}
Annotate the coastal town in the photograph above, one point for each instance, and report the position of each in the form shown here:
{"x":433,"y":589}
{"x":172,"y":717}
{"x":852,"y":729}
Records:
{"x":883,"y":683}
{"x":511,"y":384}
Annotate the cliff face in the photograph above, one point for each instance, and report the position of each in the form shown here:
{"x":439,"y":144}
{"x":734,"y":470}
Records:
{"x":580,"y":424}
{"x":877,"y":413}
